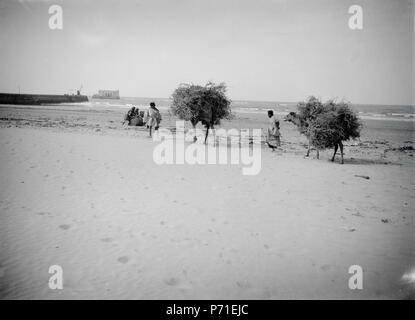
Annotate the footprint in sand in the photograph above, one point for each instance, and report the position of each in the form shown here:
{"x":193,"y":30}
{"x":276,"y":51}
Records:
{"x":243,"y":284}
{"x":325,"y":267}
{"x":349,"y":229}
{"x":123,"y":259}
{"x":64,"y":226}
{"x":171,"y":282}
{"x":42,"y":213}
{"x":357,"y":214}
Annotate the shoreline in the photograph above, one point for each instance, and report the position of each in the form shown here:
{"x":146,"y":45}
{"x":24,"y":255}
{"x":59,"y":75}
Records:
{"x":100,"y":107}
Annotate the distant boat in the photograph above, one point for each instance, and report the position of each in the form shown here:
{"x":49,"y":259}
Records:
{"x":107,"y":94}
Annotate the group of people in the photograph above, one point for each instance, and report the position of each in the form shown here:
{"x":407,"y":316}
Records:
{"x":134,"y":117}
{"x":151,"y":117}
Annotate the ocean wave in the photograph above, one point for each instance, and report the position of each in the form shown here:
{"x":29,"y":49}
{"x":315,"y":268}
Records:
{"x":362,"y":115}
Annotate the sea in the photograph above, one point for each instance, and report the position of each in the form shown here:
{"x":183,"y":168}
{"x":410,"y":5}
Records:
{"x":365,"y":111}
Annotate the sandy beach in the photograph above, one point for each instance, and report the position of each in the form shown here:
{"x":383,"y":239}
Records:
{"x":123,"y":227}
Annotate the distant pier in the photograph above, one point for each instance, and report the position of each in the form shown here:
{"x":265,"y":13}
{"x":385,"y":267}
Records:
{"x":39,"y":99}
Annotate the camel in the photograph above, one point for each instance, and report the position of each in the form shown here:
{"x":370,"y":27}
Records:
{"x":304,"y":127}
{"x":204,"y":116}
{"x":206,"y":104}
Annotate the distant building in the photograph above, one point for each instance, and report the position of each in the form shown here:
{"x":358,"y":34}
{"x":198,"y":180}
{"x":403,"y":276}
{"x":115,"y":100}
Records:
{"x":107,"y":94}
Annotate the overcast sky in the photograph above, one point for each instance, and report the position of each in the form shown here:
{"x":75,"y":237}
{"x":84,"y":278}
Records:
{"x":271,"y":50}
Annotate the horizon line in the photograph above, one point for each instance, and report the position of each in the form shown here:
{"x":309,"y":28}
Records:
{"x":235,"y":100}
{"x":287,"y":102}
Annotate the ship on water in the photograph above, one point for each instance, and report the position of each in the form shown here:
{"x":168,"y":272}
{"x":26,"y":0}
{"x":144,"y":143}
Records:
{"x":107,"y":94}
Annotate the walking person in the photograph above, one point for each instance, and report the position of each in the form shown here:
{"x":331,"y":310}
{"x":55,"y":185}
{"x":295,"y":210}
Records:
{"x":152,"y":118}
{"x":273,"y":137}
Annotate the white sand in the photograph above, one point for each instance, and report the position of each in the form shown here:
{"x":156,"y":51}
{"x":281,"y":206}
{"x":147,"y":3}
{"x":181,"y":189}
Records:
{"x":122,"y":227}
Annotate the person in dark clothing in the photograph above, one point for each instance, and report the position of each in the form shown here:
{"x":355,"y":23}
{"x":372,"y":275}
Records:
{"x":130,"y":114}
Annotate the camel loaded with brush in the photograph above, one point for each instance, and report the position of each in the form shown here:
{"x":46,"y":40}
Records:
{"x":205,"y":104}
{"x":325,"y":125}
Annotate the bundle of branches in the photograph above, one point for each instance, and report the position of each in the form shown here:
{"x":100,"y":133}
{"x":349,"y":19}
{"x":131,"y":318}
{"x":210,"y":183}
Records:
{"x":308,"y":111}
{"x":348,"y":121}
{"x":310,"y":108}
{"x":337,"y":123}
{"x":207,"y":104}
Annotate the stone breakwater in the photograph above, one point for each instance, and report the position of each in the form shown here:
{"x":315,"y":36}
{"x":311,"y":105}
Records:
{"x":38,"y":99}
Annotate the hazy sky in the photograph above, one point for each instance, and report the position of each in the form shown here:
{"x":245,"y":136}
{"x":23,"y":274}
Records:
{"x":282,"y":50}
